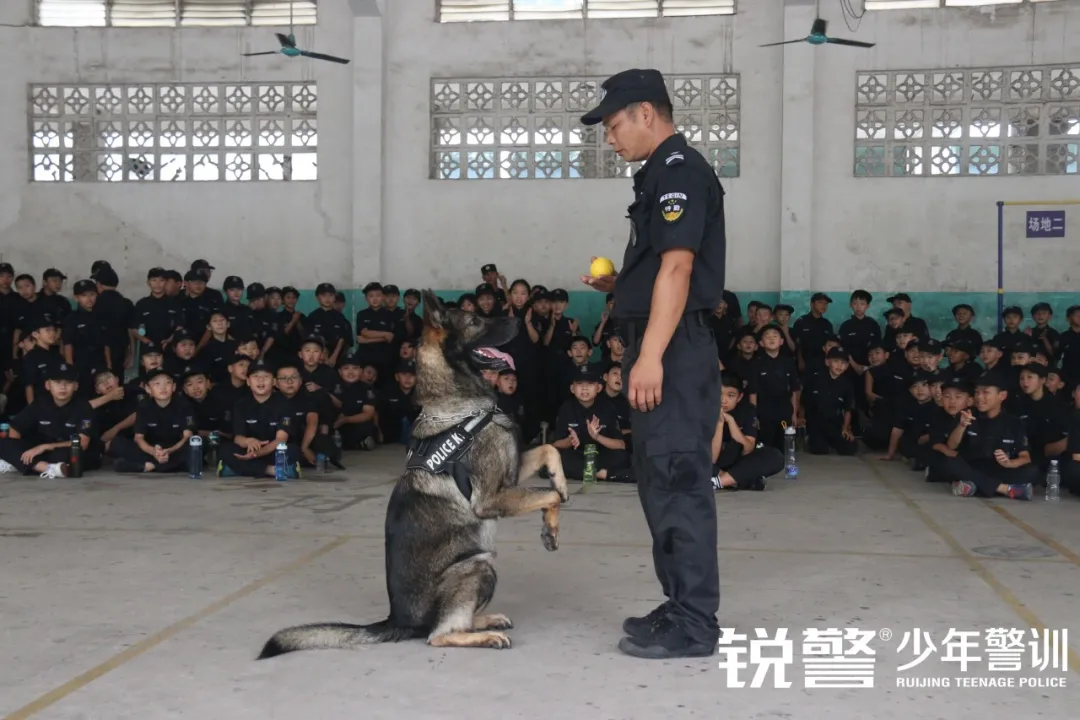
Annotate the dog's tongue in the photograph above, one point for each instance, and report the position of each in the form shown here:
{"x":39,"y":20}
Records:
{"x":499,"y":355}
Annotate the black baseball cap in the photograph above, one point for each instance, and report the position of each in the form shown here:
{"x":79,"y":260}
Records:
{"x":259,"y":366}
{"x":625,"y":88}
{"x":83,"y":287}
{"x":194,"y":276}
{"x":485,"y":289}
{"x":992,"y":378}
{"x":1041,"y":306}
{"x":6,"y":268}
{"x":150,"y":348}
{"x":408,"y":367}
{"x":181,"y":335}
{"x":239,"y":357}
{"x":1012,"y":310}
{"x":352,"y":359}
{"x":39,"y":321}
{"x":412,"y":292}
{"x":325,"y":289}
{"x":586,"y":373}
{"x":919,"y":376}
{"x":782,"y":306}
{"x":315,"y":339}
{"x":836,"y":353}
{"x":106,"y":276}
{"x":372,"y":286}
{"x":53,"y":272}
{"x":902,"y":297}
{"x":820,"y":296}
{"x":255,"y":291}
{"x":174,"y":275}
{"x":998,"y":344}
{"x":964,"y":346}
{"x":390,"y":290}
{"x":963,"y":306}
{"x":560,"y":295}
{"x":157,"y":372}
{"x":233,"y":282}
{"x":1034,"y":367}
{"x":490,"y":267}
{"x":957,"y":383}
{"x":201,"y":264}
{"x":63,"y":372}
{"x":931,"y":345}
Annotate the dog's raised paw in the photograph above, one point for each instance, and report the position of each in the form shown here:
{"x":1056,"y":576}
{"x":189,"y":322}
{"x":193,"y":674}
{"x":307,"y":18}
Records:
{"x":550,"y":538}
{"x":496,"y":621}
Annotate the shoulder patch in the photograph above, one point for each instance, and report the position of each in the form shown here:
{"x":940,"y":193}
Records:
{"x":672,"y":206}
{"x":674,"y":158}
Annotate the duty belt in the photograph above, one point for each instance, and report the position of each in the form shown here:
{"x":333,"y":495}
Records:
{"x":444,"y":454}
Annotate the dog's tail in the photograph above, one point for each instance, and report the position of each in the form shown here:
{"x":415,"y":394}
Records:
{"x":321,"y":636}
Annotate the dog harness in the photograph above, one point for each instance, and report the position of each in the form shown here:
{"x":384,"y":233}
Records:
{"x":444,"y":454}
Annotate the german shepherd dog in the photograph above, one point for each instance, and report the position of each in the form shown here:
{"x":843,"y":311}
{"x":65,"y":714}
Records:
{"x":440,"y":546}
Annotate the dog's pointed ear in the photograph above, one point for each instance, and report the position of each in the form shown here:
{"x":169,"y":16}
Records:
{"x":433,"y":309}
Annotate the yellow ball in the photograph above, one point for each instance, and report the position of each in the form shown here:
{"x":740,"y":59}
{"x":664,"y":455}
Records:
{"x":601,"y":267}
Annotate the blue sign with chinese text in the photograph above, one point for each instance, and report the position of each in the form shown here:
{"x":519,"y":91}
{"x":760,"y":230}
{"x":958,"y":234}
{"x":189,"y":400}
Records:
{"x":1046,"y":223}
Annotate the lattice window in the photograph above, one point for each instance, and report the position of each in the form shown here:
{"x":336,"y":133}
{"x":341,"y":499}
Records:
{"x":983,"y":121}
{"x":173,"y":132}
{"x":530,"y":128}
{"x":476,"y":10}
{"x":917,"y":4}
{"x":171,"y":13}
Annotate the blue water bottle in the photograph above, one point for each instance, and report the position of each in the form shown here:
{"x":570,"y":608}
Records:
{"x":791,"y":467}
{"x":195,"y":458}
{"x":281,"y":463}
{"x":5,"y":429}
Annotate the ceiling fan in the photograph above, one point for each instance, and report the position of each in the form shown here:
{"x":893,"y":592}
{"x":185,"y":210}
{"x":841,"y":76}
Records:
{"x":288,"y":46}
{"x":818,"y":35}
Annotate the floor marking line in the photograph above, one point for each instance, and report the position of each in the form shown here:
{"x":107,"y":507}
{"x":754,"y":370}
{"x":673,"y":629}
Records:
{"x":1005,"y":594}
{"x":59,"y":693}
{"x":1042,"y":537}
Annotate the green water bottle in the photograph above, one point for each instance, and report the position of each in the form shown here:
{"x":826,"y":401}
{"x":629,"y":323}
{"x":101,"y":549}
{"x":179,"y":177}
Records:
{"x":589,"y":476}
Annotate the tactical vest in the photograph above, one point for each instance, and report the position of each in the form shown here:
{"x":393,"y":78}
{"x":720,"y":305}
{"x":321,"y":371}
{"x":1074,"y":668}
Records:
{"x":444,"y":454}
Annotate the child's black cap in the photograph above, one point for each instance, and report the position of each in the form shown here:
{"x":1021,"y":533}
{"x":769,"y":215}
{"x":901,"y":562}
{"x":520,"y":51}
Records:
{"x":239,"y":358}
{"x":155,"y":373}
{"x":315,"y":340}
{"x":861,"y":295}
{"x":62,"y":373}
{"x":559,"y":295}
{"x":746,"y":331}
{"x":1034,"y":367}
{"x":390,"y":290}
{"x":956,"y":383}
{"x":993,"y":379}
{"x":820,"y":296}
{"x":893,"y":311}
{"x":900,"y":297}
{"x":586,"y":373}
{"x":372,"y":286}
{"x":350,"y":360}
{"x":407,"y":367}
{"x":325,"y":289}
{"x":963,"y":306}
{"x":919,"y":376}
{"x":233,"y":282}
{"x":836,"y":353}
{"x":963,"y":346}
{"x":997,"y":344}
{"x":1042,"y":306}
{"x":484,"y":289}
{"x":931,"y":345}
{"x":783,"y":308}
{"x":150,"y":348}
{"x":261,"y":366}
{"x":84,"y":287}
{"x":1012,"y":310}
{"x":489,"y":268}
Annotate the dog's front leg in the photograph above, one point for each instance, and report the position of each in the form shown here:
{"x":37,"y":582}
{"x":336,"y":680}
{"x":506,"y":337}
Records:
{"x":541,"y":457}
{"x":518,"y":501}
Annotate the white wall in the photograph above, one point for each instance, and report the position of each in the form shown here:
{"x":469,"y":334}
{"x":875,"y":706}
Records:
{"x":797,"y":218}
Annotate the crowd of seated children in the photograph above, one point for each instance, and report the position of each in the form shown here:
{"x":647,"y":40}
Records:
{"x":986,"y":415}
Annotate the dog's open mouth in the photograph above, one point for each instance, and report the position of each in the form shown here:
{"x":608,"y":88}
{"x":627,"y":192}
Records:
{"x":488,"y":358}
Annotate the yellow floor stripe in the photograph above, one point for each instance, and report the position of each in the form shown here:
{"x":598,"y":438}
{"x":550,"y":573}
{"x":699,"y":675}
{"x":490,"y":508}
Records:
{"x":1037,"y":534}
{"x":977,"y":567}
{"x":57,"y":694}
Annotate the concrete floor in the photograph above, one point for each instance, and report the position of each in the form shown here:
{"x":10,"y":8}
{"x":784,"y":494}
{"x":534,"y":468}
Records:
{"x":149,"y":598}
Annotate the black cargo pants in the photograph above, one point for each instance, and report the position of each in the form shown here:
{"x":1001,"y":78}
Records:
{"x":672,"y":463}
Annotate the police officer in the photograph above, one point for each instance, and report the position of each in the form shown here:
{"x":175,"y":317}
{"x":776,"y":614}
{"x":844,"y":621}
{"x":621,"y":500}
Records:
{"x":671,"y":280}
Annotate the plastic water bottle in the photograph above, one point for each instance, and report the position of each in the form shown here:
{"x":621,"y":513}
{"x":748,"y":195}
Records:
{"x":212,"y":445}
{"x":1053,"y":483}
{"x":75,"y":468}
{"x":589,"y":476}
{"x":195,"y":458}
{"x":320,"y":463}
{"x":281,"y":463}
{"x":790,"y":464}
{"x":5,"y":430}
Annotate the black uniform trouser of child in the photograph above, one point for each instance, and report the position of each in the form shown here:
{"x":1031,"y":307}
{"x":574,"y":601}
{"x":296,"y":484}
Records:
{"x":919,"y":454}
{"x":876,"y":434}
{"x":353,"y":435}
{"x":1070,"y":473}
{"x":937,"y":467}
{"x":825,"y":433}
{"x":256,"y":467}
{"x":130,"y":458}
{"x":986,"y":475}
{"x":322,"y":444}
{"x":11,"y":450}
{"x":573,"y":461}
{"x":772,"y":412}
{"x":761,"y":462}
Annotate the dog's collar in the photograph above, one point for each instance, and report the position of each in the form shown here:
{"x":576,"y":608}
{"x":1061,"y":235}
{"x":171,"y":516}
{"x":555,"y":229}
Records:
{"x":454,"y":419}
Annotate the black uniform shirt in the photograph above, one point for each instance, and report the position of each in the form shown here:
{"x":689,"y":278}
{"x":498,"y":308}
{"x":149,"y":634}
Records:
{"x":26,"y":313}
{"x":1068,"y":353}
{"x":164,"y":425}
{"x":241,"y":320}
{"x":985,"y":436}
{"x":575,"y":416}
{"x":262,"y":420}
{"x":226,"y":397}
{"x":773,"y":379}
{"x":114,"y":412}
{"x":561,"y":336}
{"x":395,"y":406}
{"x":116,"y":312}
{"x":1010,"y":340}
{"x":900,"y":371}
{"x":856,"y":335}
{"x":58,"y":306}
{"x":1043,"y":419}
{"x":354,"y":396}
{"x":216,"y":356}
{"x":209,"y":414}
{"x":376,"y":320}
{"x":970,"y":371}
{"x":297,"y":408}
{"x":969,"y":335}
{"x":1052,"y":335}
{"x":37,"y":364}
{"x":724,"y":329}
{"x":809,"y":333}
{"x":914,"y":417}
{"x":42,"y":421}
{"x":1073,"y":432}
{"x":323,"y":376}
{"x":510,"y":405}
{"x":746,"y":418}
{"x":197,"y":312}
{"x":941,"y":426}
{"x":85,"y":331}
{"x":678,"y":204}
{"x":829,"y":397}
{"x":621,"y":404}
{"x":331,"y":325}
{"x":160,"y":316}
{"x":269,"y":324}
{"x":415,"y":322}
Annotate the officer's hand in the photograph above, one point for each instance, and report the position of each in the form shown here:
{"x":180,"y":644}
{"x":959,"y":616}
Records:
{"x":604,"y":283}
{"x":646,"y":381}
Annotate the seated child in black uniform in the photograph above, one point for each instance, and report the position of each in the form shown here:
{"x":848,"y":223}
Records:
{"x":738,"y":463}
{"x":356,"y":421}
{"x":164,"y":422}
{"x":260,"y":423}
{"x":40,"y":361}
{"x":993,"y":456}
{"x":114,"y":410}
{"x":227,"y":396}
{"x":209,"y":415}
{"x":508,"y":398}
{"x":956,"y":396}
{"x":911,"y":425}
{"x":396,"y":407}
{"x":613,"y":385}
{"x":1043,"y":416}
{"x":219,"y":349}
{"x":301,"y":407}
{"x":1070,"y":458}
{"x":830,"y":401}
{"x":39,"y":440}
{"x":583,"y":421}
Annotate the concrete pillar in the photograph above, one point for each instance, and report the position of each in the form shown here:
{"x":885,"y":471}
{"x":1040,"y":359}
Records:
{"x":797,"y":153}
{"x":369,"y":71}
